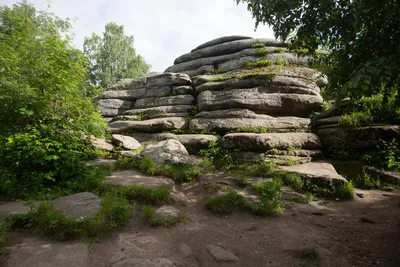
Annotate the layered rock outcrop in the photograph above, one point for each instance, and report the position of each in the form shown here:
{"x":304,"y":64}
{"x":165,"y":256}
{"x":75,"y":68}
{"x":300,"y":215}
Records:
{"x":230,"y":84}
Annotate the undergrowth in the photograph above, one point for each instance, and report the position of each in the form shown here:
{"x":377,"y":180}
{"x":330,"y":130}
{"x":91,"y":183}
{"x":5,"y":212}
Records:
{"x":150,"y":217}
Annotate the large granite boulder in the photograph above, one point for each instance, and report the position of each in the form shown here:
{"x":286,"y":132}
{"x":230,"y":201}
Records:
{"x":169,"y":151}
{"x":164,"y":101}
{"x":80,"y":207}
{"x":126,"y":142}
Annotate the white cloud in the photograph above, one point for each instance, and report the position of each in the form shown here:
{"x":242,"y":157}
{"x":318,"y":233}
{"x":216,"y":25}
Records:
{"x":163,"y":29}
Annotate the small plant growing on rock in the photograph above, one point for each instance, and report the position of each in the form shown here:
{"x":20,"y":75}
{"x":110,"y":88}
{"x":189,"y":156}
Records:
{"x":261,"y":52}
{"x":258,"y":45}
{"x":220,"y":78}
{"x":260,"y":63}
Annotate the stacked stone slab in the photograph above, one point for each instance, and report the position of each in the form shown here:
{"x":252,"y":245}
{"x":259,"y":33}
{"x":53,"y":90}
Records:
{"x":244,"y":84}
{"x":153,"y":104}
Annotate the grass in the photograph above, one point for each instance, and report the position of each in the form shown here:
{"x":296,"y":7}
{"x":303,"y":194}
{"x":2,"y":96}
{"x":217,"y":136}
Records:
{"x":279,"y":50}
{"x":217,"y":187}
{"x":261,"y":52}
{"x":310,"y":257}
{"x":46,"y":220}
{"x":258,"y":45}
{"x":252,"y":130}
{"x":226,"y":204}
{"x":149,"y":214}
{"x":259,"y":63}
{"x":355,"y":119}
{"x":242,"y":182}
{"x":220,"y":78}
{"x":4,"y":227}
{"x":365,"y":181}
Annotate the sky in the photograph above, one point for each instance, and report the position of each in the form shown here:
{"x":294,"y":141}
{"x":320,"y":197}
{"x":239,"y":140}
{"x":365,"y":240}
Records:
{"x":163,"y":29}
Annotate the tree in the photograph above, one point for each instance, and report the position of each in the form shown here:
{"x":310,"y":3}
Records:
{"x":113,"y":57}
{"x":41,"y":73}
{"x":362,"y":36}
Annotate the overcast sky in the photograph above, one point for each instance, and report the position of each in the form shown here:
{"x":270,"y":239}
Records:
{"x":163,"y":29}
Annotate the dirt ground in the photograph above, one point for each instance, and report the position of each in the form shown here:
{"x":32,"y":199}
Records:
{"x":361,"y":232}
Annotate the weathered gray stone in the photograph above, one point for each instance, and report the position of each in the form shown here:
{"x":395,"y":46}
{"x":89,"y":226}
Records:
{"x":111,"y":112}
{"x":135,"y":262}
{"x":166,"y":213}
{"x":37,"y":251}
{"x":220,"y":254}
{"x":124,"y":94}
{"x":316,"y":170}
{"x":278,"y":84}
{"x":222,"y":40}
{"x":190,"y":67}
{"x":164,"y":101}
{"x":100,"y":144}
{"x":160,"y":110}
{"x":190,"y":141}
{"x":264,"y":142}
{"x":182,"y":90}
{"x":226,"y":48}
{"x":179,"y":198}
{"x":326,"y":121}
{"x":133,"y":177}
{"x":258,"y":100}
{"x":151,"y":81}
{"x":286,"y":58}
{"x":200,"y":71}
{"x":223,"y":125}
{"x":127,"y":142}
{"x":169,"y":151}
{"x":114,"y":103}
{"x":149,"y":126}
{"x":79,"y":207}
{"x":15,"y":208}
{"x":306,"y":75}
{"x":362,"y":138}
{"x":130,"y":154}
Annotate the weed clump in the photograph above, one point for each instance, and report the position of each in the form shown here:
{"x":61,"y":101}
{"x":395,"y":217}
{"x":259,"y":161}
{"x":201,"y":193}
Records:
{"x":226,"y":204}
{"x":259,"y":63}
{"x":258,"y":45}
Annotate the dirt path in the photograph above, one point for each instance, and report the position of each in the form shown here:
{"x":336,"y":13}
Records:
{"x":362,"y":232}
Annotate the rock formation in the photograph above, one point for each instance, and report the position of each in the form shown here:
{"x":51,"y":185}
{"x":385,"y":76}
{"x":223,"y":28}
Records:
{"x":255,"y":88}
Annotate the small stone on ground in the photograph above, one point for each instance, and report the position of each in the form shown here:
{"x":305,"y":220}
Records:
{"x":220,"y":254}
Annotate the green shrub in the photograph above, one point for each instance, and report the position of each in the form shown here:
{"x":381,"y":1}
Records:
{"x":365,"y":181}
{"x":389,"y":154}
{"x":261,"y":52}
{"x":148,"y":166}
{"x":355,"y":119}
{"x":271,"y":199}
{"x":4,"y":227}
{"x":137,"y":193}
{"x":114,"y":212}
{"x":258,"y":45}
{"x":181,"y":173}
{"x":150,"y":217}
{"x":226,"y":204}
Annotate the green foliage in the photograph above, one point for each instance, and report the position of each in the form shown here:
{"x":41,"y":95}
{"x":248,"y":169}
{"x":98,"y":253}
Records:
{"x":148,"y":166}
{"x":181,"y":173}
{"x":253,"y":130}
{"x":226,"y":204}
{"x":242,"y":182}
{"x":363,"y":58}
{"x":256,"y":169}
{"x":279,"y":50}
{"x":4,"y":227}
{"x":365,"y":181}
{"x":150,"y":217}
{"x":44,"y":162}
{"x":258,"y":45}
{"x":114,"y":212}
{"x":220,"y":78}
{"x":355,"y":119}
{"x":112,"y":57}
{"x":216,"y":187}
{"x":310,"y":257}
{"x":41,"y":74}
{"x":259,"y":63}
{"x":389,"y":155}
{"x":261,"y":52}
{"x":179,"y":131}
{"x":270,"y":195}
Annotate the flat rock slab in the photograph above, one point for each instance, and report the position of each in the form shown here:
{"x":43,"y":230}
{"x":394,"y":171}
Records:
{"x":132,"y":177}
{"x":220,"y":254}
{"x":127,"y":142}
{"x":79,"y":207}
{"x":165,"y":213}
{"x":149,"y":126}
{"x":315,"y":170}
{"x":264,"y":142}
{"x":134,"y":262}
{"x":37,"y":252}
{"x":15,"y":208}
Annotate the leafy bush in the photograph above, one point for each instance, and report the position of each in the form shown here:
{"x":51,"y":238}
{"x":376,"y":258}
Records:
{"x":355,"y":119}
{"x":270,"y":195}
{"x":226,"y":204}
{"x":181,"y":173}
{"x":389,"y":154}
{"x":42,"y":159}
